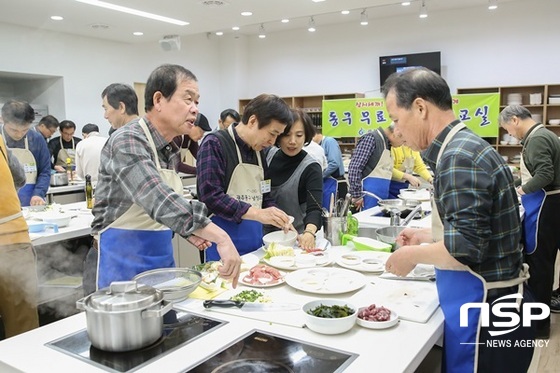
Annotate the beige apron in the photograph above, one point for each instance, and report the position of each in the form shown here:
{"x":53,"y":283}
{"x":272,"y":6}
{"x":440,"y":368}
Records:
{"x":246,"y":184}
{"x":27,"y":160}
{"x":64,"y":154}
{"x":378,"y":181}
{"x":134,"y":242}
{"x":246,"y":180}
{"x":186,"y":156}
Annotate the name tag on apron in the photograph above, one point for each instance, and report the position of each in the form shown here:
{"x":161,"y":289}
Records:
{"x":265,"y":186}
{"x":30,"y":167}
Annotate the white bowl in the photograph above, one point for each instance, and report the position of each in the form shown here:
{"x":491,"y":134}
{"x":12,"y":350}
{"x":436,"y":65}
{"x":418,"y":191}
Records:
{"x":554,"y":122}
{"x":502,"y":142}
{"x":329,"y":325}
{"x":350,"y":259}
{"x":279,"y":237}
{"x":60,"y":219}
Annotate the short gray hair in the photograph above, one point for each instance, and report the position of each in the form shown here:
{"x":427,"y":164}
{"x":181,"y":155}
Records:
{"x":511,"y":111}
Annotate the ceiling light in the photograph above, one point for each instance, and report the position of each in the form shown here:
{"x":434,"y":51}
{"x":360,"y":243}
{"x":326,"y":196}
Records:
{"x":57,"y":18}
{"x":235,"y":28}
{"x":135,"y":12}
{"x":138,"y":33}
{"x":246,"y":14}
{"x":317,"y":1}
{"x":345,"y":12}
{"x":311,"y":25}
{"x":219,"y":33}
{"x":405,"y":3}
{"x":262,"y":32}
{"x":285,"y":20}
{"x":364,"y":18}
{"x":423,"y":10}
{"x":492,"y":4}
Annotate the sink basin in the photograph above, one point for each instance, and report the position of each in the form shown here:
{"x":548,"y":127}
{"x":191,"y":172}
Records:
{"x":368,"y":231}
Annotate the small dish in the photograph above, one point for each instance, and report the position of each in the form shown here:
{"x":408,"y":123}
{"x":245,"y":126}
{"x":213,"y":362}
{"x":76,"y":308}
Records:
{"x":502,"y":142}
{"x":372,"y":265}
{"x":350,"y":259}
{"x":305,"y":260}
{"x":393,"y":320}
{"x":282,"y":261}
{"x":554,"y":122}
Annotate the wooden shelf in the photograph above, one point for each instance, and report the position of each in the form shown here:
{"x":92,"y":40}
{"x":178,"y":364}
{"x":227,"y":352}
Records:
{"x":545,"y":110}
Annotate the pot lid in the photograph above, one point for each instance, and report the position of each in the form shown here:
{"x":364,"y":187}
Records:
{"x":125,"y":296}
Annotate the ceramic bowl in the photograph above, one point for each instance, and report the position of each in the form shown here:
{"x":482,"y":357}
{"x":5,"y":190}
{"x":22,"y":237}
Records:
{"x":554,"y":122}
{"x":279,"y":237}
{"x":329,"y":325}
{"x":502,"y":142}
{"x":393,"y":320}
{"x":60,"y":219}
{"x":350,"y":259}
{"x":282,"y":260}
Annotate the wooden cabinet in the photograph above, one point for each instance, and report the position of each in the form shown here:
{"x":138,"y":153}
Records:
{"x":313,"y":105}
{"x":543,"y":100}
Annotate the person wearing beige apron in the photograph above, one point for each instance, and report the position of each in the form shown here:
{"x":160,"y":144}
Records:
{"x":151,"y":240}
{"x":63,"y":147}
{"x":474,"y":242}
{"x":37,"y":171}
{"x":371,"y":166}
{"x":540,"y":197}
{"x":461,"y":344}
{"x":231,"y":174}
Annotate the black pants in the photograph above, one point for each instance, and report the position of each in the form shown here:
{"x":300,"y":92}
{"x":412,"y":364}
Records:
{"x":541,"y":261}
{"x":511,"y":356}
{"x":89,"y":280}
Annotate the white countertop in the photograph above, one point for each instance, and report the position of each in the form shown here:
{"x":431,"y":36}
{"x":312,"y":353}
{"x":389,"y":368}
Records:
{"x":79,"y":226}
{"x":74,"y":187}
{"x":397,"y":349}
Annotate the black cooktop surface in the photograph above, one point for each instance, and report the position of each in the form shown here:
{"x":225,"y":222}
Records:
{"x":180,"y":328}
{"x":263,"y":352}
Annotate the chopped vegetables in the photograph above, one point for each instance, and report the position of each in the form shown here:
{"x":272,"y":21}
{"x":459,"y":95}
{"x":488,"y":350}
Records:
{"x":331,"y":312}
{"x":275,"y":249}
{"x":251,"y":296}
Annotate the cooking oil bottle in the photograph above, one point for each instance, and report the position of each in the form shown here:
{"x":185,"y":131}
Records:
{"x":69,"y":168}
{"x":89,"y":192}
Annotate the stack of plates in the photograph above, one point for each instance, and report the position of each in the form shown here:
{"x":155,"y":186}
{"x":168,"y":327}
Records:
{"x":514,"y":99}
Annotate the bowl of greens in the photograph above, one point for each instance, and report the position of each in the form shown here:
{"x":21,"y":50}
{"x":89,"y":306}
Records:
{"x":329,"y":316}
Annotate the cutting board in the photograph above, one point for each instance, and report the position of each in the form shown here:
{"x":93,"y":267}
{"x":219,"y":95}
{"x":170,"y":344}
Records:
{"x":411,"y":300}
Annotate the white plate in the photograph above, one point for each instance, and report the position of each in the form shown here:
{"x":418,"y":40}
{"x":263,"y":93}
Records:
{"x":248,"y":261}
{"x":393,"y":320}
{"x":326,"y":280}
{"x":416,"y":197}
{"x":380,"y":256}
{"x":267,"y":285}
{"x":320,"y":263}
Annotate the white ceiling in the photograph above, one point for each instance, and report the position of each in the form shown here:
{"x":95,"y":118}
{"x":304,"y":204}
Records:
{"x":205,"y":16}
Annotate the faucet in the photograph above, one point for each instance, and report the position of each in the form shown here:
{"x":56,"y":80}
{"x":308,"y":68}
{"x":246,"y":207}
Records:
{"x":410,"y":216}
{"x":395,"y":217}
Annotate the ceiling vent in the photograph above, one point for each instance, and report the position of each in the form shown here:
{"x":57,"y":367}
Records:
{"x":170,"y":43}
{"x":214,"y":3}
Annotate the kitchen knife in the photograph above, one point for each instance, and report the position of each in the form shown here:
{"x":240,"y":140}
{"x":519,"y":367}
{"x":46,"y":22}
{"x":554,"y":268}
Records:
{"x":248,"y":306}
{"x":430,"y":278}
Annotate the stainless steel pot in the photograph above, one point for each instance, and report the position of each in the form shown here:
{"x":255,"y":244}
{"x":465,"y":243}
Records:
{"x":125,"y":316}
{"x":59,"y":179}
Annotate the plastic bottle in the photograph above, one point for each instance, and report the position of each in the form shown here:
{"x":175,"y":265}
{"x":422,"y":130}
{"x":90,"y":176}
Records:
{"x":89,"y":192}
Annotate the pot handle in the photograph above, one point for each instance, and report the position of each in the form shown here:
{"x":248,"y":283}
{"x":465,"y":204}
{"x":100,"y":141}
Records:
{"x":157,"y":313}
{"x":80,"y":304}
{"x":123,"y":287}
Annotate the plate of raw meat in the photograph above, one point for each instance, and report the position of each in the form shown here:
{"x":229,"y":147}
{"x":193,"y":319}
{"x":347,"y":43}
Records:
{"x":262,"y":276}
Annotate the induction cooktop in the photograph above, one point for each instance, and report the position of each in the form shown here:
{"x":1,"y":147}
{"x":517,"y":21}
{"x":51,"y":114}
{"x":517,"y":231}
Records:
{"x":180,"y":328}
{"x":264,"y":352}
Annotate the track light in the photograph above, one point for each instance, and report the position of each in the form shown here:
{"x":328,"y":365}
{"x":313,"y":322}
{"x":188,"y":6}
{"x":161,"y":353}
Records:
{"x":423,"y":10}
{"x":363,"y":18}
{"x":311,"y":25}
{"x":262,"y":32}
{"x":492,"y":4}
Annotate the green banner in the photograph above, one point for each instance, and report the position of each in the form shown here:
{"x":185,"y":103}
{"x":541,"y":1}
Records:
{"x":357,"y":116}
{"x":479,"y":112}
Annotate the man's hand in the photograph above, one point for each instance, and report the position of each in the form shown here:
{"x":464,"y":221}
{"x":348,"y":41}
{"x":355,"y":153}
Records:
{"x":36,"y":201}
{"x":59,"y":169}
{"x":274,"y":216}
{"x":400,"y":263}
{"x":414,"y":236}
{"x":413,"y":180}
{"x":231,"y":261}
